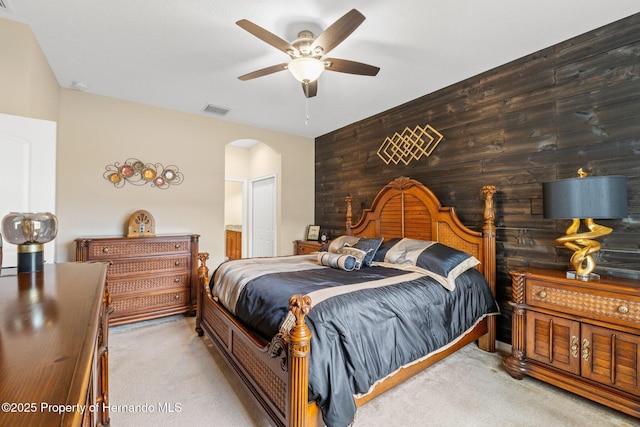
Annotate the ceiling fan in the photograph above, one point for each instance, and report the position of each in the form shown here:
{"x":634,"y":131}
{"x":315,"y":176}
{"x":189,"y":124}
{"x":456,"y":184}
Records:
{"x":306,"y":53}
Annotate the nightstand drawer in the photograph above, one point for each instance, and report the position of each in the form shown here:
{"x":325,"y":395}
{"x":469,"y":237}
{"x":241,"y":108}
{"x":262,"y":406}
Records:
{"x":302,"y":247}
{"x":118,"y":249}
{"x":569,"y":299}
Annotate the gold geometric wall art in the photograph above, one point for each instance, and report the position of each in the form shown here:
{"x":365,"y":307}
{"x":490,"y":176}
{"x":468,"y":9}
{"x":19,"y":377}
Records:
{"x":409,"y":145}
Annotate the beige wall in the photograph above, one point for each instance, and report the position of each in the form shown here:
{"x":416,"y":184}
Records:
{"x":236,"y":165}
{"x":95,"y":131}
{"x":233,"y":203}
{"x":28,"y":87}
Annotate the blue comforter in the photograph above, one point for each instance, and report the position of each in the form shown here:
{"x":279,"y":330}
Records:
{"x":364,"y":335}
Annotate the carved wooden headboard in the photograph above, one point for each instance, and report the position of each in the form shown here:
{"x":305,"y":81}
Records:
{"x":406,"y":208}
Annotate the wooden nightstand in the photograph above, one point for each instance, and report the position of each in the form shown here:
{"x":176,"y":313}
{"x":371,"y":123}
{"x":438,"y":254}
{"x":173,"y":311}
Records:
{"x":302,"y":247}
{"x":581,"y":336}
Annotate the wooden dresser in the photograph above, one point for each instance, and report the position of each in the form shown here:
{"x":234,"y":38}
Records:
{"x":53,"y":346}
{"x":581,"y":336}
{"x":302,"y":247}
{"x":148,"y":277}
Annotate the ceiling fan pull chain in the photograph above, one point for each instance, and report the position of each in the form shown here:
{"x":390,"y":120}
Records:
{"x":306,"y":111}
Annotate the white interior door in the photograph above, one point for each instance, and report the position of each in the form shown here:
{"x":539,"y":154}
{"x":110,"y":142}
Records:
{"x":263,"y":217}
{"x":28,"y":180}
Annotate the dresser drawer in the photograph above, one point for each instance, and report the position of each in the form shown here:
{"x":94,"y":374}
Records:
{"x":149,"y":283}
{"x":583,"y":302}
{"x":110,"y":249}
{"x":147,"y":303}
{"x":144,"y":266}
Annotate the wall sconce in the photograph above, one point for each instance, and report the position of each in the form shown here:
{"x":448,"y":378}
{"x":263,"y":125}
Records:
{"x":30,"y":231}
{"x":600,"y":197}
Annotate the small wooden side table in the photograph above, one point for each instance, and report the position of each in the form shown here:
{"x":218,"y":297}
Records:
{"x":303,"y":247}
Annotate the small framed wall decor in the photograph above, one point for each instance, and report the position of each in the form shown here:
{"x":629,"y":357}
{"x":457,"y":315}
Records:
{"x":313,"y":233}
{"x":141,"y":224}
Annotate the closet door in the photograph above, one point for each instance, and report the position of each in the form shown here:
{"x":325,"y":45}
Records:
{"x":28,"y":176}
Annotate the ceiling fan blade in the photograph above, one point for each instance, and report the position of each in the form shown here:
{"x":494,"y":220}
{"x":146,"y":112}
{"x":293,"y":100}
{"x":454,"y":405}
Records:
{"x":310,"y":89}
{"x":338,"y":31}
{"x":263,"y":72}
{"x":351,"y":67}
{"x":267,"y":36}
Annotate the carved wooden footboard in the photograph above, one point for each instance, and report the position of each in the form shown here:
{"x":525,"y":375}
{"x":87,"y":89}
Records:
{"x":265,"y":368}
{"x":276,"y":372}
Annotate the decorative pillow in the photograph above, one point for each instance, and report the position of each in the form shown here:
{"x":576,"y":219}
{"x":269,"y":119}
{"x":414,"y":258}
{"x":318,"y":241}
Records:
{"x":336,"y":244}
{"x":384,"y":247}
{"x":446,"y":262}
{"x":441,"y":262}
{"x":370,"y":246}
{"x":358,"y":254}
{"x":339,"y":261}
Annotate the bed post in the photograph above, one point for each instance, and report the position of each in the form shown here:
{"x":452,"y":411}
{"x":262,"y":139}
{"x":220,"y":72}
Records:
{"x":349,"y":199}
{"x":488,"y":341}
{"x":299,"y":345}
{"x":203,"y":279}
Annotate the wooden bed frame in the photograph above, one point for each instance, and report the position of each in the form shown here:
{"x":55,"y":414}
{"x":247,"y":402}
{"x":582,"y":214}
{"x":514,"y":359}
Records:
{"x":276,"y":372}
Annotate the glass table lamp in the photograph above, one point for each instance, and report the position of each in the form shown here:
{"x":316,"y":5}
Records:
{"x":30,"y":231}
{"x":599,"y":197}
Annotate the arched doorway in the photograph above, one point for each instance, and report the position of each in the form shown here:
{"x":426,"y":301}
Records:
{"x":251,"y":170}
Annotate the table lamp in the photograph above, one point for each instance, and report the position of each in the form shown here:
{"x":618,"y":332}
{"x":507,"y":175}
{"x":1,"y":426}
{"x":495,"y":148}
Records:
{"x":30,"y":231}
{"x":588,"y":198}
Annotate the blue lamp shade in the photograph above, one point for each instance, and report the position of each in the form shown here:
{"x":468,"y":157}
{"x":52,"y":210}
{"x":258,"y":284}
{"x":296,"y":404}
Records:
{"x":596,"y":197}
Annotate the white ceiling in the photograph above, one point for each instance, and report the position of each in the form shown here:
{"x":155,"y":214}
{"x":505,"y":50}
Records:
{"x":185,"y":54}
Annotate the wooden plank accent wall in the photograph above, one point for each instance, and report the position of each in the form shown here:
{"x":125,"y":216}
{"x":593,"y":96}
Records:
{"x":536,"y":119}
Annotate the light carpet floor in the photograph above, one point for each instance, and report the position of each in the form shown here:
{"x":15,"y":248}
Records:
{"x":162,"y":374}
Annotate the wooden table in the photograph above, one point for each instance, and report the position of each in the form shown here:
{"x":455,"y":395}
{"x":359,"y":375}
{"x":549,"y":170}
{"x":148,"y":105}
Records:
{"x":53,"y":346}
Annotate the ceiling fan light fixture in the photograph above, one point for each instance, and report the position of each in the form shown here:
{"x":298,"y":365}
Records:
{"x":306,"y":69}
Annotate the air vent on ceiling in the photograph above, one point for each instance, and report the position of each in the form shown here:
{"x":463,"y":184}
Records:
{"x":4,"y":6}
{"x":214,"y":109}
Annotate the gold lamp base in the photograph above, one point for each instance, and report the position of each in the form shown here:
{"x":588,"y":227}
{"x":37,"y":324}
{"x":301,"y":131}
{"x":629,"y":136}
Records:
{"x":584,"y":246}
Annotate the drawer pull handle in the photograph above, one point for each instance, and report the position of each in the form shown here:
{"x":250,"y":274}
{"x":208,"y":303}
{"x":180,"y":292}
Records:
{"x":177,"y":245}
{"x":177,"y":263}
{"x":574,"y":346}
{"x":177,"y":296}
{"x":623,"y":309}
{"x":585,"y":349}
{"x":542,"y":294}
{"x":105,"y":250}
{"x":177,"y":279}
